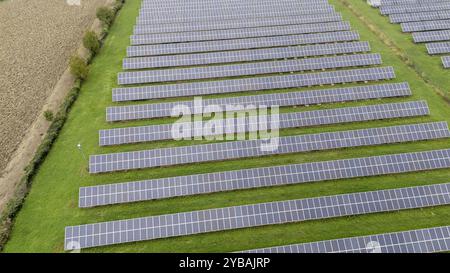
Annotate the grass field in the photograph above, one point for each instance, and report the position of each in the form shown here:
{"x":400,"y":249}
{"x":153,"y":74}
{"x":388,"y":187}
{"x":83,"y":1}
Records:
{"x":52,"y":202}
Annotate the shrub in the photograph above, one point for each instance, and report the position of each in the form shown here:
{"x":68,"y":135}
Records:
{"x":48,"y":115}
{"x":91,"y":42}
{"x":78,"y":67}
{"x":105,"y":15}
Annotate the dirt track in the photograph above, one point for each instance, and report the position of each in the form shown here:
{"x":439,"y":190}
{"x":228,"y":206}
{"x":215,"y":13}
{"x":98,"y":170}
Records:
{"x":37,"y":39}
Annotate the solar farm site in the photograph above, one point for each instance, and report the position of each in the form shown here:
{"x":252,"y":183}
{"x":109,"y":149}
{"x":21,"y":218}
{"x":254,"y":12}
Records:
{"x":361,"y":160}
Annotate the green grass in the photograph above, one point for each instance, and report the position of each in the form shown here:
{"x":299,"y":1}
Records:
{"x":52,"y":202}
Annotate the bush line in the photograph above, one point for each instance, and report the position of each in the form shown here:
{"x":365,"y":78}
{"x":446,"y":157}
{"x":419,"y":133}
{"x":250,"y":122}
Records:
{"x":15,"y":204}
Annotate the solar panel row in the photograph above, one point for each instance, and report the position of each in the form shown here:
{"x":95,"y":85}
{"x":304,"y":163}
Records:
{"x":236,"y":24}
{"x":242,"y":55}
{"x":425,"y":26}
{"x":262,"y":147}
{"x":247,"y":43}
{"x":419,"y":16}
{"x":414,"y":241}
{"x":446,"y":61}
{"x":290,"y":120}
{"x":412,"y":2}
{"x":137,"y":191}
{"x":387,"y":10}
{"x":310,"y":97}
{"x":247,"y":69}
{"x":438,"y":48}
{"x":150,"y":19}
{"x":431,"y":36}
{"x":228,"y":34}
{"x":252,"y":84}
{"x":187,"y":223}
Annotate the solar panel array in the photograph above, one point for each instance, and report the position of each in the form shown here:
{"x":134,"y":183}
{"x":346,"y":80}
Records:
{"x":255,"y":148}
{"x":202,"y":44}
{"x":227,"y":34}
{"x":247,"y":69}
{"x":429,"y":22}
{"x":252,"y":84}
{"x":246,"y":43}
{"x":212,"y":220}
{"x":446,"y":61}
{"x":290,"y":120}
{"x":243,"y":55}
{"x":414,"y":241}
{"x":262,"y":177}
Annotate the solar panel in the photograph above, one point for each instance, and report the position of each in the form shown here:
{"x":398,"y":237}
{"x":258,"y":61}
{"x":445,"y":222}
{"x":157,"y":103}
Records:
{"x":403,"y":2}
{"x":255,"y":148}
{"x":248,"y":43}
{"x":252,"y":84}
{"x":310,"y":97}
{"x":228,"y":34}
{"x":233,"y":24}
{"x":186,"y":17}
{"x":227,"y":10}
{"x":431,"y":36}
{"x":414,"y":241}
{"x":438,"y":48}
{"x":446,"y":61}
{"x":247,"y":69}
{"x":290,"y":120}
{"x":425,"y":26}
{"x":242,"y":55}
{"x":186,"y":223}
{"x":386,"y":10}
{"x":420,"y":16}
{"x":161,"y":188}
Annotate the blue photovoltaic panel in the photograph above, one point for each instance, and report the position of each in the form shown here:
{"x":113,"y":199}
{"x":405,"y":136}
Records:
{"x":290,"y":120}
{"x":446,"y":61}
{"x":431,"y":36}
{"x":262,"y":147}
{"x":241,"y":55}
{"x":420,"y":16}
{"x":247,"y":69}
{"x":280,"y":212}
{"x":162,"y":188}
{"x":310,"y":97}
{"x":438,"y":48}
{"x":155,"y":19}
{"x":252,"y":84}
{"x":229,"y":34}
{"x":387,"y":10}
{"x":236,"y":24}
{"x":413,"y":241}
{"x":248,"y":43}
{"x":425,"y":26}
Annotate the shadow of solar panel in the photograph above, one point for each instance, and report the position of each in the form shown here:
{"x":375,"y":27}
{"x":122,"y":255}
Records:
{"x":446,"y":61}
{"x":310,"y":97}
{"x":420,"y":16}
{"x":262,"y":177}
{"x":290,"y":120}
{"x":247,"y":69}
{"x":387,"y":10}
{"x":431,"y":36}
{"x":154,"y":19}
{"x":241,"y":55}
{"x":229,"y":34}
{"x":252,"y":84}
{"x":247,"y":43}
{"x":186,"y":223}
{"x":263,"y":147}
{"x":428,"y":240}
{"x":236,"y":24}
{"x":425,"y":26}
{"x":438,"y":48}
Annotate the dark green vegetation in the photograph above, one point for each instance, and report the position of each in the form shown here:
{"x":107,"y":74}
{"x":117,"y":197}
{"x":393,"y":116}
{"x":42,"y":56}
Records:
{"x":52,"y":202}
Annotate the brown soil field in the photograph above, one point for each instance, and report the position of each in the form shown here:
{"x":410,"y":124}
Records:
{"x":37,"y":39}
